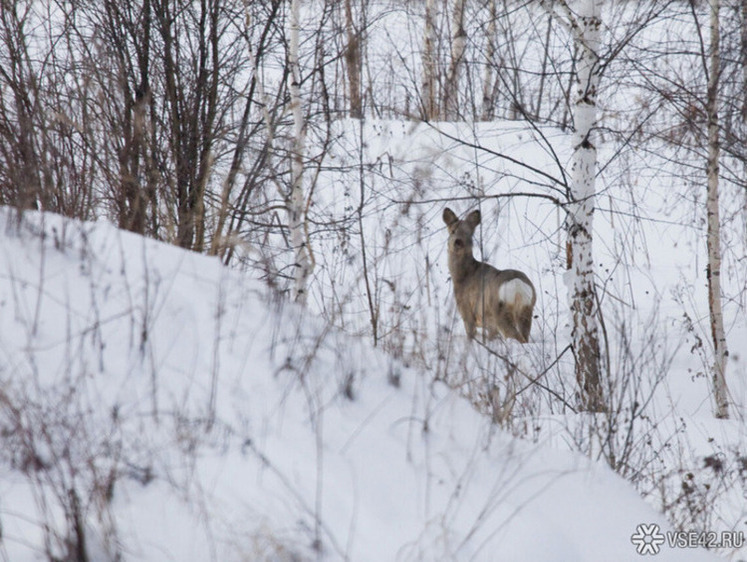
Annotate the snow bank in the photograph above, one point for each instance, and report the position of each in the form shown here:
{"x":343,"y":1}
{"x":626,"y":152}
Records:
{"x":167,"y":408}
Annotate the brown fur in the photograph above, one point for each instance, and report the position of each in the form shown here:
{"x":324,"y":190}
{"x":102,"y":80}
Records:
{"x":477,"y":286}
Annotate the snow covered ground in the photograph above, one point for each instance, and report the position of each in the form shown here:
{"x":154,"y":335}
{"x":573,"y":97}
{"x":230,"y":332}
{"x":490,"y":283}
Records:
{"x":161,"y":407}
{"x":155,"y":405}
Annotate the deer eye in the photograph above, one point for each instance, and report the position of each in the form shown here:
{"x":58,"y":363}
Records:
{"x":458,"y":243}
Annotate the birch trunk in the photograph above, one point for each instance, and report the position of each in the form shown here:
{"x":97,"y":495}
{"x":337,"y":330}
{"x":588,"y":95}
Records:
{"x":428,"y":88}
{"x":297,"y":201}
{"x":586,"y":29}
{"x":458,"y":45}
{"x":488,"y":99}
{"x":721,"y":409}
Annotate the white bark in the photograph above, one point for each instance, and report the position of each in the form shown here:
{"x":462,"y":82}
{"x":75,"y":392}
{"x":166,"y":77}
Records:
{"x":585,"y":26}
{"x":721,"y":409}
{"x":428,"y":87}
{"x":458,"y":45}
{"x":297,"y":201}
{"x":488,"y":99}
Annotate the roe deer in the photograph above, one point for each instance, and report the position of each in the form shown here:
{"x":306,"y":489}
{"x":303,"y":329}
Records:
{"x":496,"y":301}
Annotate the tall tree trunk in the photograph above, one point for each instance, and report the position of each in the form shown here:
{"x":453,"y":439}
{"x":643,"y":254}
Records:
{"x":586,"y":28}
{"x":743,"y":61}
{"x":353,"y":62}
{"x":21,"y":131}
{"x":134,"y":165}
{"x":428,"y":87}
{"x":458,"y":45}
{"x":191,"y":102}
{"x":297,"y":201}
{"x":131,"y":199}
{"x":721,"y":409}
{"x":488,"y":99}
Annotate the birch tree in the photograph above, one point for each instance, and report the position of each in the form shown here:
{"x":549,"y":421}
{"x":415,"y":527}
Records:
{"x":296,"y":203}
{"x":488,"y":88}
{"x":585,"y":27}
{"x":458,"y":45}
{"x":721,"y":409}
{"x":428,"y":85}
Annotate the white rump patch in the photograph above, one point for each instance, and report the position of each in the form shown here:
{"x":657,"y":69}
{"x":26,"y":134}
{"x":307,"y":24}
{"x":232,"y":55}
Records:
{"x":509,"y":291}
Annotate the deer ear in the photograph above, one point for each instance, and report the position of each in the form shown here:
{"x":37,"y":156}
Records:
{"x":473,"y":219}
{"x":449,"y":217}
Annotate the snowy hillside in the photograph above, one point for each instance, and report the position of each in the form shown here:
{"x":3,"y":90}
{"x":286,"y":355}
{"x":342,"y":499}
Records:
{"x":159,"y":406}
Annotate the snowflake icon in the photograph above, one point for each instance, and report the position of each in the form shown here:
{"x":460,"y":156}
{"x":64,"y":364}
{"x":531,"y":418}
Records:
{"x":647,"y":539}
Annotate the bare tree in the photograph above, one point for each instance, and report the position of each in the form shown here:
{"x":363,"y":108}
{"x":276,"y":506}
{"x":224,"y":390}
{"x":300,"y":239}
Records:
{"x":721,"y":409}
{"x":536,"y":110}
{"x":743,"y":123}
{"x":297,"y":201}
{"x":47,"y":160}
{"x":243,"y":181}
{"x":165,"y":72}
{"x":428,"y":88}
{"x":22,"y":118}
{"x":353,"y":62}
{"x":191,"y":95}
{"x":125,"y":32}
{"x":488,"y":97}
{"x":585,"y":26}
{"x":458,"y":45}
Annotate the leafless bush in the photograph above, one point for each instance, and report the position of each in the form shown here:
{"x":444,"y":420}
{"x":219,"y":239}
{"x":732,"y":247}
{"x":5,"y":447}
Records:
{"x":47,"y":436}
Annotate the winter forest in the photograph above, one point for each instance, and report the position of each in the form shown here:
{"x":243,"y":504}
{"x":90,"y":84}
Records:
{"x":228,"y":324}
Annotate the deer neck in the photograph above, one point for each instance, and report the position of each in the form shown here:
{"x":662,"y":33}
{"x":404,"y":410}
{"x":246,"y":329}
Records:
{"x":462,"y":268}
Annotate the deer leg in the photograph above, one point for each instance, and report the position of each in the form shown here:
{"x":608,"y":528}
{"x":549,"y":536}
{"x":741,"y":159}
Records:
{"x":507,"y":324}
{"x":470,"y":323}
{"x":470,"y":328}
{"x":525,"y":322}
